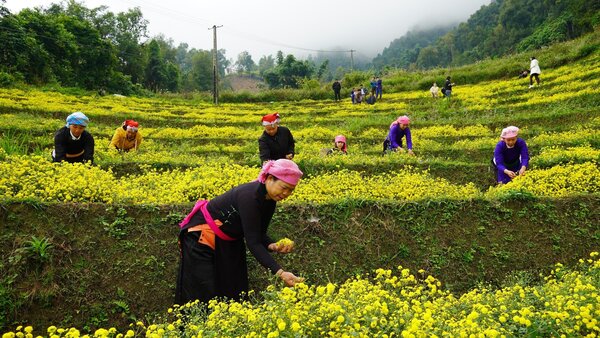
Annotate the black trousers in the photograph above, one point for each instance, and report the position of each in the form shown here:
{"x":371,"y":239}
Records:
{"x":197,"y":274}
{"x":537,"y":78}
{"x":337,"y":95}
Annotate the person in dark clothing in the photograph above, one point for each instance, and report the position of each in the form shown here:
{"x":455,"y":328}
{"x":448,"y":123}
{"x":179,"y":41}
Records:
{"x":276,"y":142}
{"x":72,"y":143}
{"x":448,"y":87}
{"x":213,"y":254}
{"x":373,"y":85}
{"x":337,"y":87}
{"x":371,"y":99}
{"x":523,"y":74}
{"x":379,"y":91}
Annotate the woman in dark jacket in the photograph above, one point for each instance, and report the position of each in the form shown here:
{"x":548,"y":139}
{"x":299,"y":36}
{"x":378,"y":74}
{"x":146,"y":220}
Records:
{"x":213,"y":254}
{"x":72,"y":143}
{"x":276,"y":142}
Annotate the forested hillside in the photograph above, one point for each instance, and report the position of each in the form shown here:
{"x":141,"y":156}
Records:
{"x":71,"y":45}
{"x":502,"y":27}
{"x":403,"y":52}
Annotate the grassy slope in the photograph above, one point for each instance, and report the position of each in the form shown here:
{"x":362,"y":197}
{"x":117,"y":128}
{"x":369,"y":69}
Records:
{"x":104,"y":259}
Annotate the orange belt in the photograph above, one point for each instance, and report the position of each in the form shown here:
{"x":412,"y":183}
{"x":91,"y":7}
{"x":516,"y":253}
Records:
{"x":74,"y":155}
{"x":207,"y":235}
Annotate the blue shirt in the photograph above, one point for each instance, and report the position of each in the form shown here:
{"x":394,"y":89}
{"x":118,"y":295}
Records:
{"x":504,"y":155}
{"x":396,"y":134}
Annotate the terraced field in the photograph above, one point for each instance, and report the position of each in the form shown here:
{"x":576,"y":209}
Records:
{"x":111,"y":237}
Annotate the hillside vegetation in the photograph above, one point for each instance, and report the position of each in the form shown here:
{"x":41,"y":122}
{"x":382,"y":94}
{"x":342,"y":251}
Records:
{"x":497,"y":29}
{"x":88,"y":247}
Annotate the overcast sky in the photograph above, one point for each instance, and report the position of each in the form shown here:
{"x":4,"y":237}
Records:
{"x":262,"y":27}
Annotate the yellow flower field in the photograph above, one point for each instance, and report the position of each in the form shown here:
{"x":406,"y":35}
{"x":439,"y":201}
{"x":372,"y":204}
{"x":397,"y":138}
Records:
{"x":387,"y":304}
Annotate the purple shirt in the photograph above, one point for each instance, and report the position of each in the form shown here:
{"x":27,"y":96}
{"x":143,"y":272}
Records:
{"x":396,"y":134}
{"x":509,"y":156}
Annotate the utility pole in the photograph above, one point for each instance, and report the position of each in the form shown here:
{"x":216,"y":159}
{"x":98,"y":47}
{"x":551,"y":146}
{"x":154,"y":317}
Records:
{"x":352,"y":59}
{"x":215,"y":66}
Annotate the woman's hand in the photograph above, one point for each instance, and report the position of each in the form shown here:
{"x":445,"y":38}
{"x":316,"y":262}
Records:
{"x":289,"y":278}
{"x":284,"y":245}
{"x":522,"y":171}
{"x":510,"y":174}
{"x":410,"y":152}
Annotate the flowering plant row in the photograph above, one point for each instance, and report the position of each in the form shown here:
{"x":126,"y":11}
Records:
{"x":66,"y":182}
{"x":388,"y":304}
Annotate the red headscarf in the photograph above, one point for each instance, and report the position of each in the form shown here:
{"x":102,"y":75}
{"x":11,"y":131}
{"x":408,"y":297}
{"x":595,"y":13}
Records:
{"x":270,"y":119}
{"x":131,"y":125}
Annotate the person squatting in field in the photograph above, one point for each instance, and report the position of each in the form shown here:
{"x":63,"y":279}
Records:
{"x":72,"y":143}
{"x":511,"y":156}
{"x":339,"y":146}
{"x":398,"y":129}
{"x":127,"y":137}
{"x":213,"y":254}
{"x":276,"y":142}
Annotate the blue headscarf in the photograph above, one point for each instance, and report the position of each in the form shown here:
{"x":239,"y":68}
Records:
{"x":77,"y":118}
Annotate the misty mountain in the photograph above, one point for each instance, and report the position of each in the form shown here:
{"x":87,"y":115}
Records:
{"x":404,"y":51}
{"x":502,"y":27}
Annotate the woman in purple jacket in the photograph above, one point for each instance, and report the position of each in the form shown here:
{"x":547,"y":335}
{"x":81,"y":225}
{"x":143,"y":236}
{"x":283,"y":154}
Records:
{"x":398,"y":130}
{"x":511,"y":156}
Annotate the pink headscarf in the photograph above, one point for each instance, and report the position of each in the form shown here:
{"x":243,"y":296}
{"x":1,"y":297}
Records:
{"x":401,"y":120}
{"x":509,"y":132}
{"x":341,"y":138}
{"x":283,"y":169}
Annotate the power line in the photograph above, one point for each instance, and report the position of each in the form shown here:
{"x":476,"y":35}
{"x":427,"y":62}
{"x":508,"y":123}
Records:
{"x":161,"y":10}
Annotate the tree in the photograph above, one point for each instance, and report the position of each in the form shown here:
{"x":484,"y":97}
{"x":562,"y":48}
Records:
{"x":288,"y":73}
{"x":155,"y":69}
{"x":265,"y":63}
{"x":3,"y":10}
{"x":130,"y":28}
{"x":322,"y":69}
{"x":201,"y":76}
{"x":244,"y":62}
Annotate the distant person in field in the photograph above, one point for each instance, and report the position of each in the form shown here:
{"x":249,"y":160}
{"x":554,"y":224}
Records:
{"x":276,"y":142}
{"x":511,"y":156}
{"x":523,"y":74}
{"x":373,"y":86}
{"x":358,"y":95}
{"x":534,"y":70}
{"x":353,"y":95}
{"x":379,"y":91}
{"x":214,"y":236}
{"x":127,"y":137}
{"x":337,"y":87}
{"x":340,"y":146}
{"x":398,"y":130}
{"x":434,"y":90}
{"x":371,"y":99}
{"x":72,"y":143}
{"x":363,"y":91}
{"x":447,"y":90}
